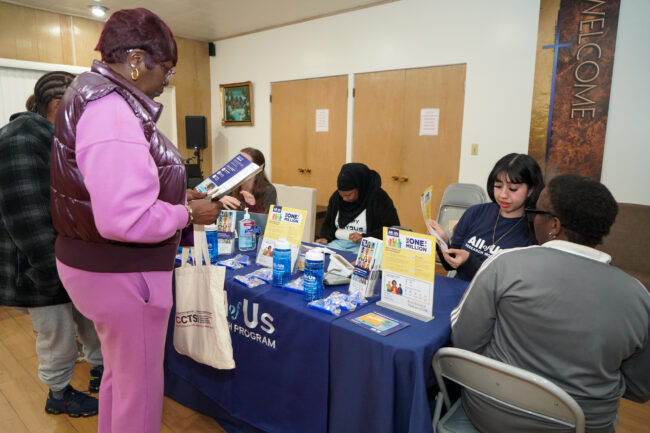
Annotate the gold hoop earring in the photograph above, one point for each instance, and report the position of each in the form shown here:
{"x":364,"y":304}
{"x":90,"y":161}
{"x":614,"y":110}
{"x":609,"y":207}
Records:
{"x":135,"y":73}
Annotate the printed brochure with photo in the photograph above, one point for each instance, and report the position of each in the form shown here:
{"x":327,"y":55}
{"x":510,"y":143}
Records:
{"x":236,"y":171}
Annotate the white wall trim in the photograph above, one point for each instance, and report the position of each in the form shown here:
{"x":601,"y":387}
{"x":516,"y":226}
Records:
{"x":40,"y":66}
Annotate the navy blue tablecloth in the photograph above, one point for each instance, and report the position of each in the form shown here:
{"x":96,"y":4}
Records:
{"x":379,"y":384}
{"x":302,"y":370}
{"x":281,"y":351}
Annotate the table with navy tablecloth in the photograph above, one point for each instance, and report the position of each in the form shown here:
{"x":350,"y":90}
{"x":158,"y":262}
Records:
{"x":302,"y":370}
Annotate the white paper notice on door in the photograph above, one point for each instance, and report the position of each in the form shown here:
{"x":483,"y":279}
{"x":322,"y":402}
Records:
{"x":323,"y":120}
{"x":429,"y":118}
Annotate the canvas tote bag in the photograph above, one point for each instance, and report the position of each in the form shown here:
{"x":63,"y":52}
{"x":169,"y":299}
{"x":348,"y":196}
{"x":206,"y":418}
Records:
{"x":201,"y":330}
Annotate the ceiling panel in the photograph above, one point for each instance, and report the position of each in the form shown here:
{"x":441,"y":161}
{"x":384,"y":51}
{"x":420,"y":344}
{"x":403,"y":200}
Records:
{"x":210,"y":20}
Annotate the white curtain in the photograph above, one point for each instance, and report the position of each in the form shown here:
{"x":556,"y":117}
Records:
{"x":15,"y":87}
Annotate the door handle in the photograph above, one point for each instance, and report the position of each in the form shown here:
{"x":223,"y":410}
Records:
{"x":404,"y":179}
{"x":395,"y":178}
{"x":301,"y":170}
{"x":308,"y":170}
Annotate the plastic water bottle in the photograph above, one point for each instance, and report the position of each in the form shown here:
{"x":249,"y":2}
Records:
{"x":281,"y":263}
{"x":246,"y":231}
{"x":314,"y":266}
{"x":212,"y":237}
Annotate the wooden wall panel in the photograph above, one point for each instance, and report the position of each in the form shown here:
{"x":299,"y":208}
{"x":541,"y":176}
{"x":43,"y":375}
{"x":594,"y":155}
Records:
{"x":85,"y":34}
{"x":192,"y":81}
{"x":39,"y":36}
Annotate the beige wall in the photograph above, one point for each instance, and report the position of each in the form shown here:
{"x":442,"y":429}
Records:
{"x":39,"y":36}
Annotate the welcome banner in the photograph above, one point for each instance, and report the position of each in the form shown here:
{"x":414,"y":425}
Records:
{"x":573,"y":76}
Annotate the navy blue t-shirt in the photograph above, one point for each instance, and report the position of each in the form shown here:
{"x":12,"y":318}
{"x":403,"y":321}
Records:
{"x":474,"y":234}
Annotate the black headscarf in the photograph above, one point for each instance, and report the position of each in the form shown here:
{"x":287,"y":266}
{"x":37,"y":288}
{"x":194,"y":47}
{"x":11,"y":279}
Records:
{"x":356,"y":175}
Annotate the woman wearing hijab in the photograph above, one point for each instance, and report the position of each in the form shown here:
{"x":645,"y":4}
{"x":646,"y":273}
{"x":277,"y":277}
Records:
{"x":359,"y":208}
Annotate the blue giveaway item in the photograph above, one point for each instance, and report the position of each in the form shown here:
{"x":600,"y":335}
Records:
{"x":247,"y":239}
{"x":281,"y":262}
{"x":241,"y":258}
{"x":326,"y":306}
{"x":212,"y":236}
{"x":249,"y":280}
{"x":264,"y":274}
{"x":230,"y":264}
{"x":314,"y":266}
{"x":296,"y":285}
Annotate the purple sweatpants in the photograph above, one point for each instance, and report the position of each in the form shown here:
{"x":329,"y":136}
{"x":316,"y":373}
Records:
{"x":131,"y":312}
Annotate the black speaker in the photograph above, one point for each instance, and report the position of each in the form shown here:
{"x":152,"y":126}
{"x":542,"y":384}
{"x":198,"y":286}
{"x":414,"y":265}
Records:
{"x":212,"y":49}
{"x":195,"y":132}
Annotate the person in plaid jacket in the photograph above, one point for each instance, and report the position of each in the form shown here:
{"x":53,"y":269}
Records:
{"x":28,"y":274}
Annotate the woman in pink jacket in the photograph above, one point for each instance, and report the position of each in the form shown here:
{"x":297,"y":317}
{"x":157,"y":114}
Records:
{"x":119,"y":203}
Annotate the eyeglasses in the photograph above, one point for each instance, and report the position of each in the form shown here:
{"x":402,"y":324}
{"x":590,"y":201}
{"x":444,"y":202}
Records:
{"x":530,"y":213}
{"x":169,"y":75}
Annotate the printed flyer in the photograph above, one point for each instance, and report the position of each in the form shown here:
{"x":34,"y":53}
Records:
{"x":408,"y":267}
{"x":282,"y":222}
{"x":377,"y":322}
{"x":425,"y":203}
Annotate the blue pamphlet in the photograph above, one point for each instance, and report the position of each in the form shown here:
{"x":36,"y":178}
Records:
{"x":377,"y":322}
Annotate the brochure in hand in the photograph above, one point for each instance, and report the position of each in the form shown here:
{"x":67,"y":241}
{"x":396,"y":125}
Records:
{"x":236,"y":171}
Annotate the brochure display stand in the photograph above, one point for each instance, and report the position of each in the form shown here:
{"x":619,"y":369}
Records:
{"x":366,"y":268}
{"x":408,"y":268}
{"x":226,"y":232}
{"x":282,"y":222}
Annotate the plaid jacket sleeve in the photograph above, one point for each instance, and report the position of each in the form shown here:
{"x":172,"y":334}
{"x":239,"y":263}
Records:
{"x":25,"y":204}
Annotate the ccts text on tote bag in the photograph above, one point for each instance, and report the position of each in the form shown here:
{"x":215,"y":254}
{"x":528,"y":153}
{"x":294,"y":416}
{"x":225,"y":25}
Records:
{"x":201,"y":329}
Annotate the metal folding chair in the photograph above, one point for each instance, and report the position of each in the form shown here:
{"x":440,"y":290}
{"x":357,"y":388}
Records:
{"x":455,"y":200}
{"x":511,"y":386}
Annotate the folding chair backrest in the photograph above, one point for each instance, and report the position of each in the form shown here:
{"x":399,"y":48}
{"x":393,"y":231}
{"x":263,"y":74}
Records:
{"x":511,"y":386}
{"x":455,"y":200}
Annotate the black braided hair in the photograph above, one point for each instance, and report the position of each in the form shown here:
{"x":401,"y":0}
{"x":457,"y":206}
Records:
{"x":50,"y":86}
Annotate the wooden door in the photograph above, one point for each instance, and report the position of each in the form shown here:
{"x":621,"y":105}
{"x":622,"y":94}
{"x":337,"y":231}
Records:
{"x":300,"y":155}
{"x":430,"y":159}
{"x":288,"y":132}
{"x":379,"y":124}
{"x":408,"y":162}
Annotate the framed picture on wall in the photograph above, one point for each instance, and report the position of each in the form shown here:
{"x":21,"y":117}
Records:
{"x":236,"y":104}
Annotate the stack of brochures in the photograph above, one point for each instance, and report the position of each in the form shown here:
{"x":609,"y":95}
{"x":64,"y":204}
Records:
{"x":237,"y":171}
{"x":226,"y":232}
{"x":366,"y":268}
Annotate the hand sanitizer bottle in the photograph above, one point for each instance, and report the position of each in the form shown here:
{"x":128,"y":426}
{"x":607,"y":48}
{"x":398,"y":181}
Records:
{"x":246,"y":231}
